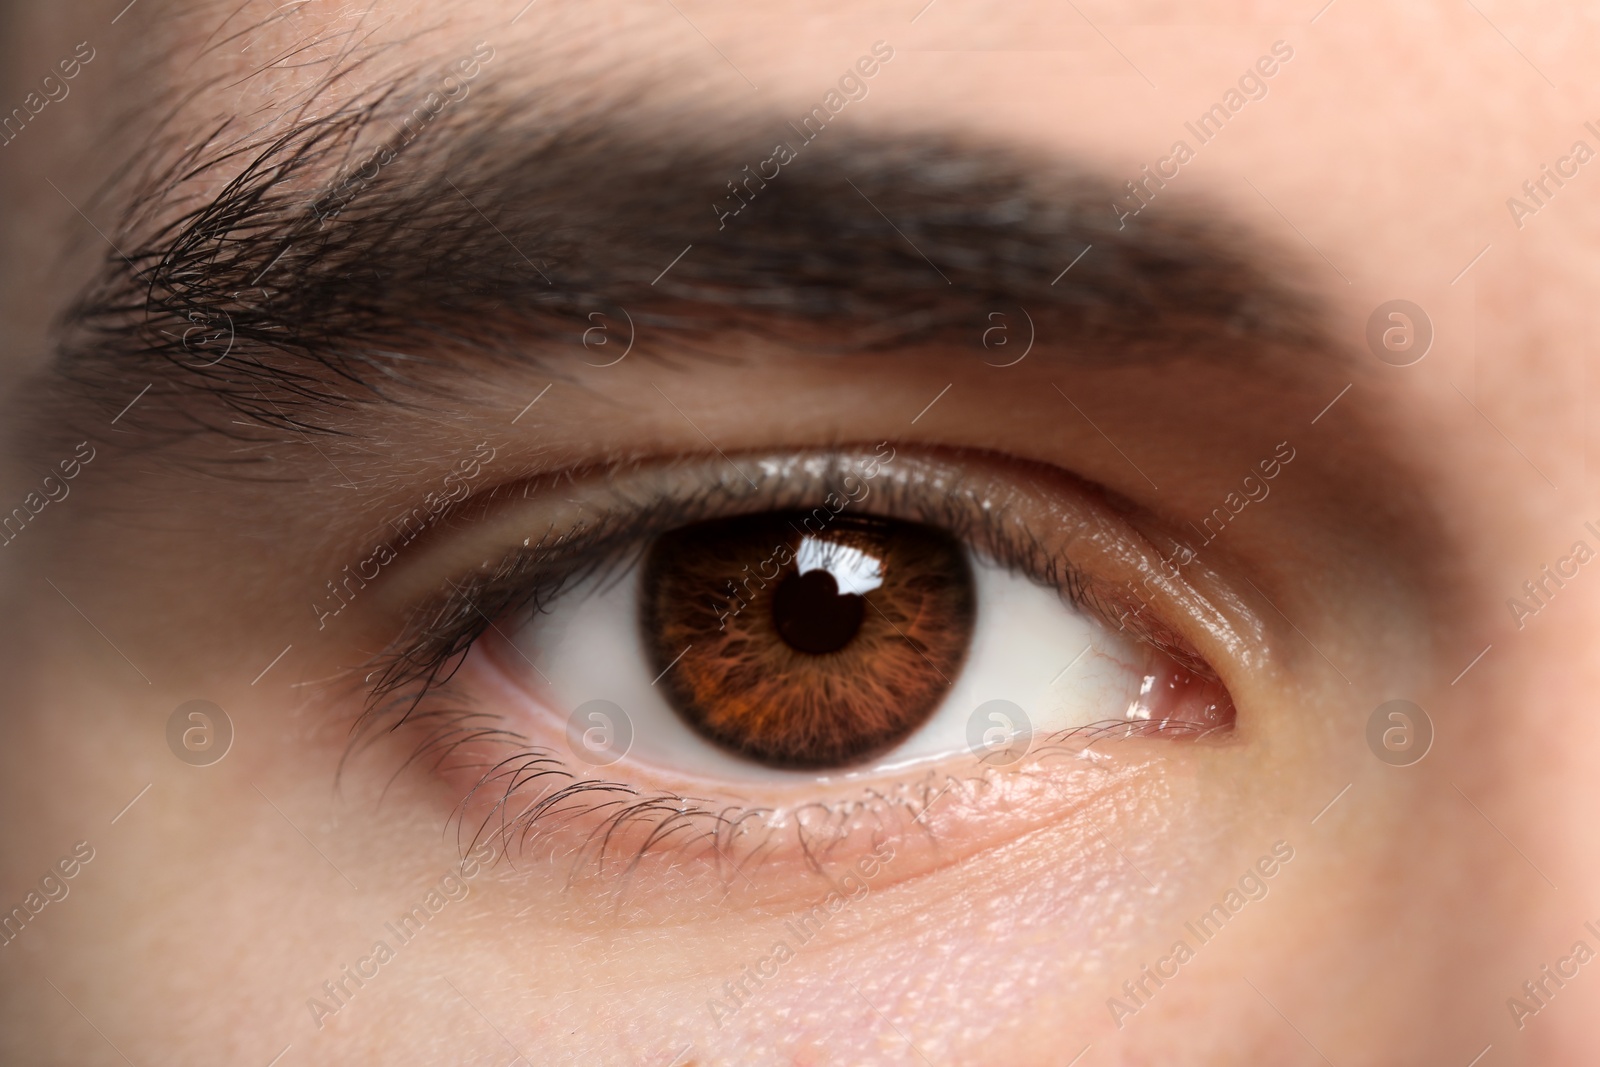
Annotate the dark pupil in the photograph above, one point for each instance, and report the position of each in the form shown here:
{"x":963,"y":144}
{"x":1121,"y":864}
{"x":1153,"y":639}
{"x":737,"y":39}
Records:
{"x":811,"y":614}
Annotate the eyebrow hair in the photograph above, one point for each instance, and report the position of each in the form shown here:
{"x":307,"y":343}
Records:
{"x":356,"y":257}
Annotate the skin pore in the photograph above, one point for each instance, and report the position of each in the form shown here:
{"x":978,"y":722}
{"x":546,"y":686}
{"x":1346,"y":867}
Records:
{"x":946,"y":913}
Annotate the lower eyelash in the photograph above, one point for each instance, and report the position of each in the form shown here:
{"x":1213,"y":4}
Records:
{"x":448,"y":724}
{"x":536,"y":795}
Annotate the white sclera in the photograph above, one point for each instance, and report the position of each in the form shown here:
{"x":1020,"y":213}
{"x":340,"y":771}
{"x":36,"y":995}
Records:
{"x":1064,"y":669}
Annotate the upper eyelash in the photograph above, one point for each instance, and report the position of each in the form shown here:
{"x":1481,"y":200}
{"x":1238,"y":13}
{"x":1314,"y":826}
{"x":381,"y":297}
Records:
{"x":532,"y":576}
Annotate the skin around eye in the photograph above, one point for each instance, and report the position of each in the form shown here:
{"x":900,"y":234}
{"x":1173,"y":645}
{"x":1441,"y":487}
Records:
{"x":559,"y":727}
{"x":806,"y":650}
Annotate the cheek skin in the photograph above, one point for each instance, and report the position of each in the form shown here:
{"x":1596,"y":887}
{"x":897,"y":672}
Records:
{"x":789,"y":828}
{"x":1028,"y":925}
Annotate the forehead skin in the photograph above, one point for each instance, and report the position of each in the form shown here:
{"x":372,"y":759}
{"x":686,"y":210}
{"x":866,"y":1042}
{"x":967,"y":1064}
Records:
{"x":1382,"y":158}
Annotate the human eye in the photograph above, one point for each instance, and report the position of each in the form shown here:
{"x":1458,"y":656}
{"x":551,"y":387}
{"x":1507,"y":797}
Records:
{"x":743,"y":659}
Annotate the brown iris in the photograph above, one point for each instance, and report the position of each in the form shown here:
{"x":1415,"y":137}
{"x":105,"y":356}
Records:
{"x":807,"y":640}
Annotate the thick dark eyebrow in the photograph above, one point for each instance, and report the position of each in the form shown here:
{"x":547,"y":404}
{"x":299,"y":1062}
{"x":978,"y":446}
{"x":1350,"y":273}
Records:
{"x":360,"y":256}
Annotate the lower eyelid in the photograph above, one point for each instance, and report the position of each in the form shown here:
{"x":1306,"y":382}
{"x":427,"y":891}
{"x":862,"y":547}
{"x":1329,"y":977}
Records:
{"x":602,"y":831}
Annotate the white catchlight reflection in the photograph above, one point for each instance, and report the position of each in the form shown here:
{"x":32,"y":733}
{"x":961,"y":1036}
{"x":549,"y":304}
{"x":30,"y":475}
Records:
{"x":853,"y":570}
